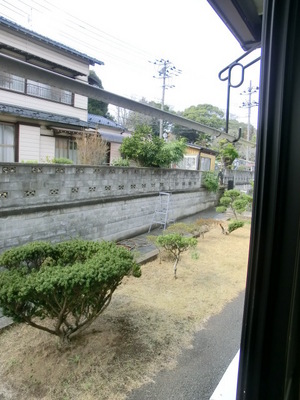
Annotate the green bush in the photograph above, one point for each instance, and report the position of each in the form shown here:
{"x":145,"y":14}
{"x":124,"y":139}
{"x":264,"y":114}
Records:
{"x":210,"y":181}
{"x":148,"y":150}
{"x":235,"y":225}
{"x":70,"y":283}
{"x":121,"y":162}
{"x":221,"y":209}
{"x":62,"y":160}
{"x":28,"y":257}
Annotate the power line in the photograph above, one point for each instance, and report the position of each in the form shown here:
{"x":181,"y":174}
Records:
{"x":74,"y":23}
{"x":80,"y":34}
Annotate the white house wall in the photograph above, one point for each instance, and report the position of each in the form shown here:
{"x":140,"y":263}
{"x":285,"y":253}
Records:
{"x":81,"y":102}
{"x":44,"y":51}
{"x":47,"y":148}
{"x":29,"y":143}
{"x":22,"y":100}
{"x":114,"y":152}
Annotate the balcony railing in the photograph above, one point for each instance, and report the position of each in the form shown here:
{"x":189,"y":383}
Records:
{"x":37,"y":89}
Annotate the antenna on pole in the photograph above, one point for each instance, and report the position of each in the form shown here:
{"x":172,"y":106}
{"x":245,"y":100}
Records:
{"x":166,"y":70}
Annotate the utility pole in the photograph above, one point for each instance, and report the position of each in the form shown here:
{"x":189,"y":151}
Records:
{"x":249,"y":104}
{"x":165,"y":71}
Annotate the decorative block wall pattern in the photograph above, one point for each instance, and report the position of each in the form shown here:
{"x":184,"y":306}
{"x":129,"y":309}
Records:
{"x":48,"y":202}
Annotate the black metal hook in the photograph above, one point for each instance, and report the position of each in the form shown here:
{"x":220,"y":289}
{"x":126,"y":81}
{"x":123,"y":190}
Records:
{"x":227,"y":78}
{"x":236,"y":139}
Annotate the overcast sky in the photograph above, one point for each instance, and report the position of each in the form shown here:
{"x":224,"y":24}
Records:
{"x":128,"y":36}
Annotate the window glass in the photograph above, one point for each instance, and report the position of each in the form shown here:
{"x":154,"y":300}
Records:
{"x":48,"y":92}
{"x":12,"y":82}
{"x":188,"y":162}
{"x":73,"y":151}
{"x":205,"y":164}
{"x":66,"y":148}
{"x":7,"y":143}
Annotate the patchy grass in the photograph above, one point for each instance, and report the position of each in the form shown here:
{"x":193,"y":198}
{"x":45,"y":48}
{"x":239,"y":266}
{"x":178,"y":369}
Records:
{"x":149,"y":322}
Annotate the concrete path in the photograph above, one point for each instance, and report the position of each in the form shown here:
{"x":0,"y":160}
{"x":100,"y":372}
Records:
{"x":200,"y":369}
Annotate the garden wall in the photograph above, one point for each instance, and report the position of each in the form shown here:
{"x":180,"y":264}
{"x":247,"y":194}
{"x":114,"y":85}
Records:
{"x":57,"y":202}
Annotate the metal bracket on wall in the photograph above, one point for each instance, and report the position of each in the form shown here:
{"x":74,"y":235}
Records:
{"x":229,"y":69}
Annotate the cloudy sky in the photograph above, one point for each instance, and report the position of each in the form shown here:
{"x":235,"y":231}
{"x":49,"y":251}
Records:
{"x":129,"y":36}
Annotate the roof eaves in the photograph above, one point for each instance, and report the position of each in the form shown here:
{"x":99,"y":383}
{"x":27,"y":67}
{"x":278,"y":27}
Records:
{"x":201,"y":148}
{"x":28,"y":113}
{"x":18,"y":28}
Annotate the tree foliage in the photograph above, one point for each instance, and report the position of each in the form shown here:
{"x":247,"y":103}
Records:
{"x":214,"y":117}
{"x":70,"y":283}
{"x":236,"y":201}
{"x":227,"y":153}
{"x":96,"y":107}
{"x":135,"y":119}
{"x":148,"y":150}
{"x":205,"y":114}
{"x":210,"y":181}
{"x":175,"y":243}
{"x":235,"y":225}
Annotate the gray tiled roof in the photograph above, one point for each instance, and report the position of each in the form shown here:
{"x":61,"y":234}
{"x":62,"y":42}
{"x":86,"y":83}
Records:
{"x":112,"y":137}
{"x":41,"y":116}
{"x":99,"y":120}
{"x":93,"y":120}
{"x":18,"y":28}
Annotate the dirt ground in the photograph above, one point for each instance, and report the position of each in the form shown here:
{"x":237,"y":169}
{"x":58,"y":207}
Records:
{"x":149,"y":322}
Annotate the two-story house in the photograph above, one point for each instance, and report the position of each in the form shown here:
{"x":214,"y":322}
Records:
{"x":38,"y":121}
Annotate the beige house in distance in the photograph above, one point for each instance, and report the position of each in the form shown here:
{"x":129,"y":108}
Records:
{"x":198,"y":158}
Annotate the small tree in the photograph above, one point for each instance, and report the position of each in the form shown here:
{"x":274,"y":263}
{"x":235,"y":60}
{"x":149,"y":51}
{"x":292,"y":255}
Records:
{"x":148,"y":150}
{"x":70,"y":283}
{"x":236,"y":201}
{"x":175,"y":244}
{"x":92,"y":149}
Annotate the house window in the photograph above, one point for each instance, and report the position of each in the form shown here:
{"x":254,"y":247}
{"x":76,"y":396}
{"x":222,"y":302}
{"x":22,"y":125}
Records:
{"x":188,"y":162}
{"x":32,"y":88}
{"x":66,"y":148}
{"x":7,"y":143}
{"x":205,"y":164}
{"x":48,"y":92}
{"x":12,"y":82}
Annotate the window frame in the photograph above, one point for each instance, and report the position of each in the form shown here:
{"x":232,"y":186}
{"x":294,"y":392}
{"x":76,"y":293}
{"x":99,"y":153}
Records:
{"x":70,"y":148}
{"x":270,"y":350}
{"x":14,"y":146}
{"x":60,"y":94}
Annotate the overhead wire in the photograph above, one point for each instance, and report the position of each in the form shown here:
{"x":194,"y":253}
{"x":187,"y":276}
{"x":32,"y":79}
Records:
{"x":91,"y":39}
{"x":90,"y":31}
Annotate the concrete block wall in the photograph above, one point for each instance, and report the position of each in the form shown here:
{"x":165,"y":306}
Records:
{"x":239,"y":177}
{"x":108,"y":215}
{"x":29,"y":185}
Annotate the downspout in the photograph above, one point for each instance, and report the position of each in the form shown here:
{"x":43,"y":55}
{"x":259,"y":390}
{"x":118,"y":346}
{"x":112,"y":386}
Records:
{"x":199,"y":159}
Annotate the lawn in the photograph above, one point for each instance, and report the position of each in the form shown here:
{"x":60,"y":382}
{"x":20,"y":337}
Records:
{"x":149,"y":322}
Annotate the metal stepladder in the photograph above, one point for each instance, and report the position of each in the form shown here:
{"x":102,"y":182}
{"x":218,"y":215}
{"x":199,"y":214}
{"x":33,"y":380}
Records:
{"x":162,"y":210}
